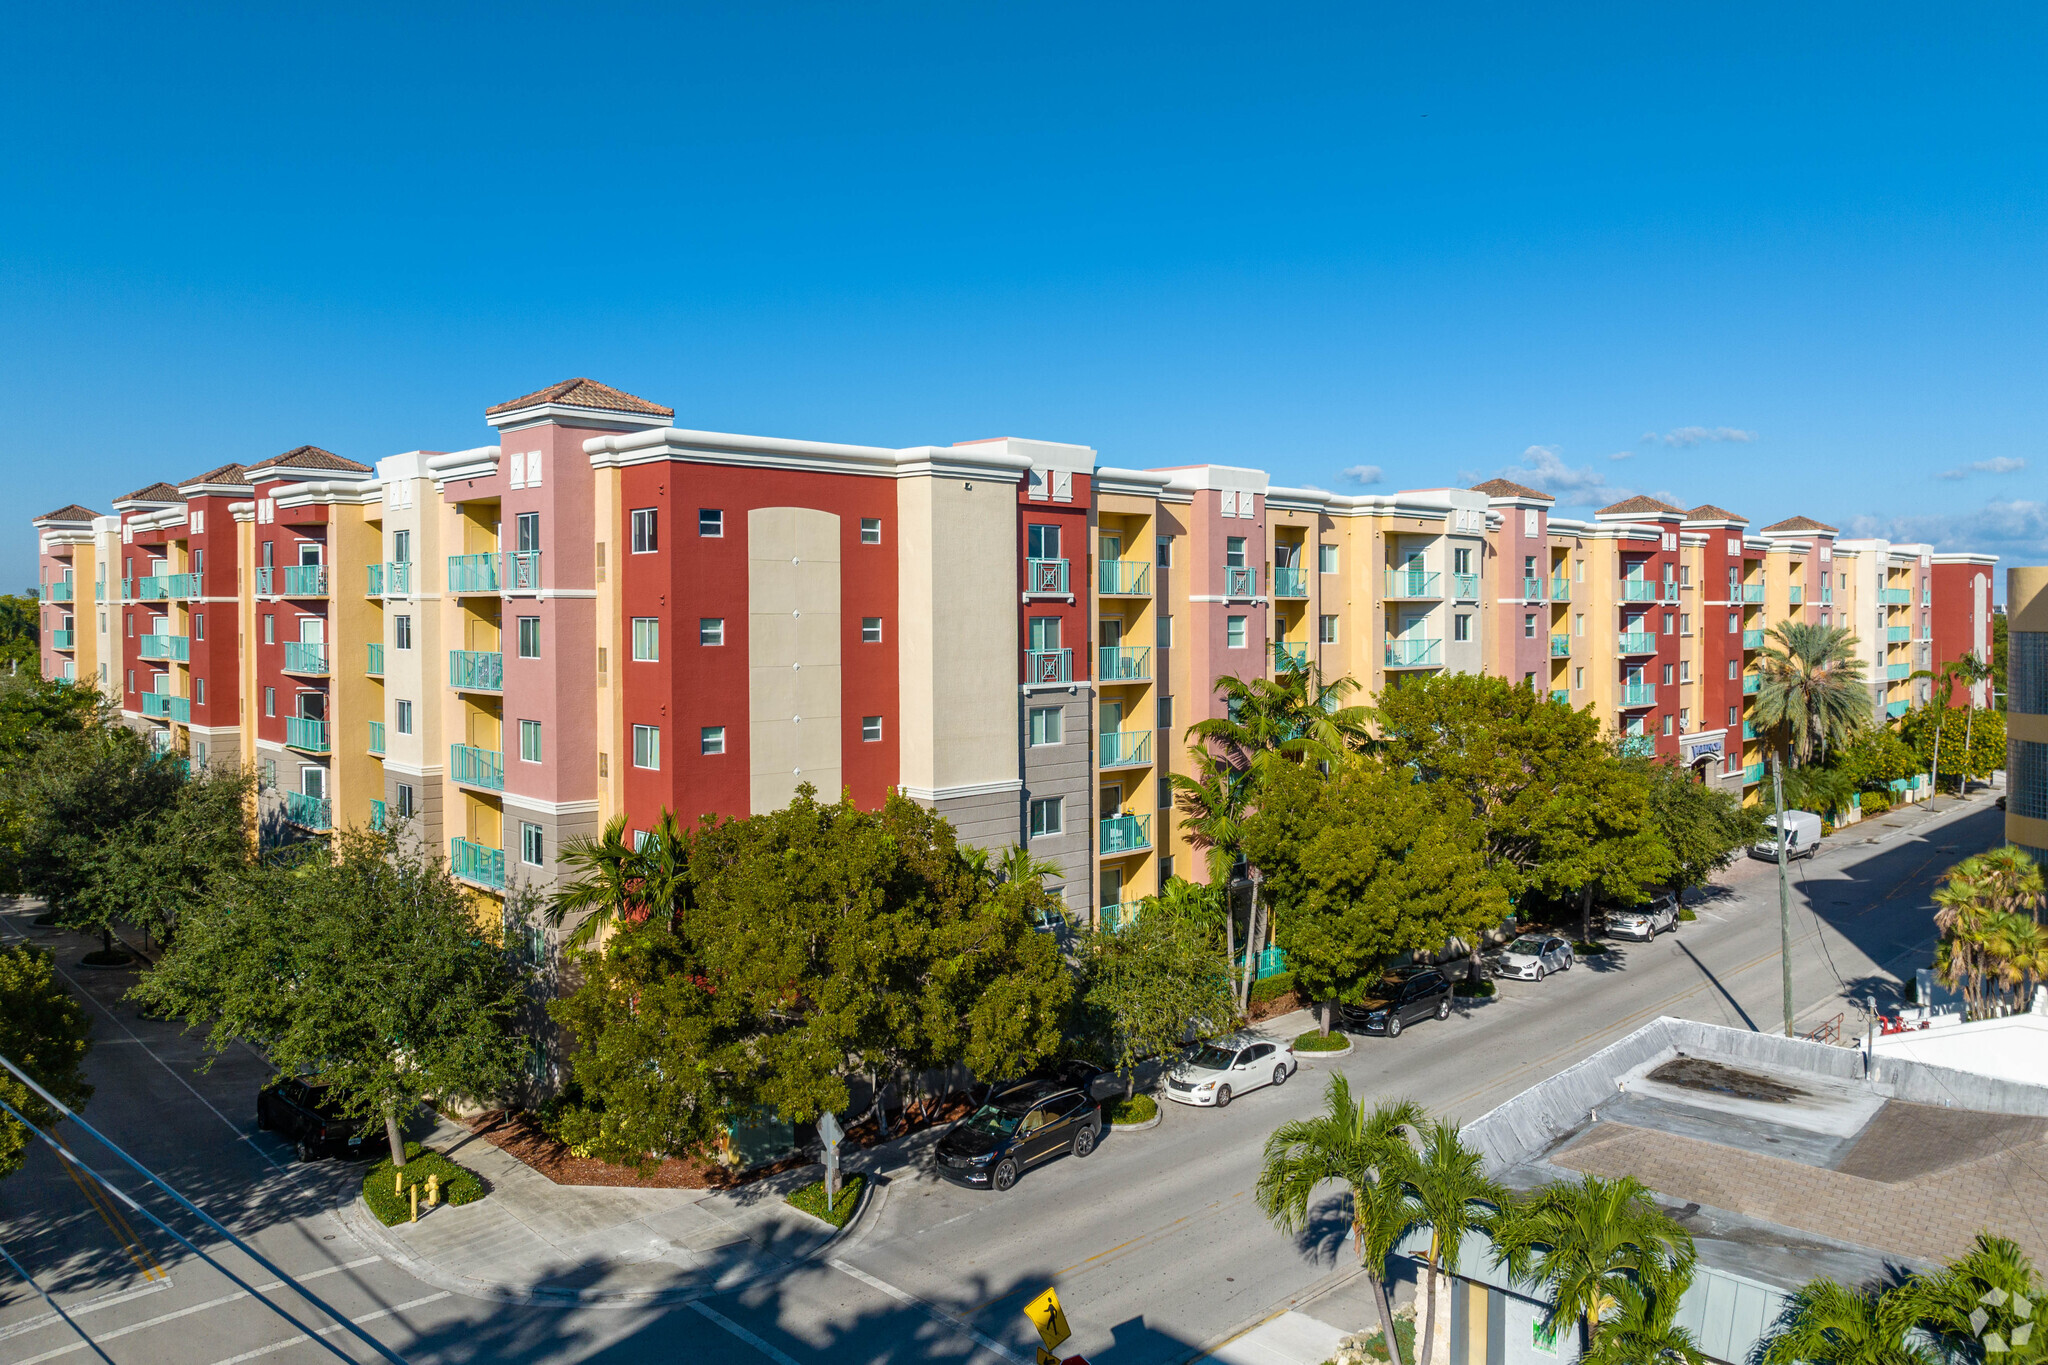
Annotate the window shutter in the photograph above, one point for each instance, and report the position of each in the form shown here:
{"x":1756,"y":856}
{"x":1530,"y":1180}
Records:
{"x":518,"y":470}
{"x":1062,"y":485}
{"x":533,"y":469}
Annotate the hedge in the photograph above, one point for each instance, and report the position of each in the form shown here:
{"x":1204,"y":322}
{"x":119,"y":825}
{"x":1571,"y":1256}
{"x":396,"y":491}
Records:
{"x":459,"y":1185}
{"x":1272,"y":988}
{"x":811,"y":1199}
{"x":1316,"y":1041}
{"x":1136,"y":1109}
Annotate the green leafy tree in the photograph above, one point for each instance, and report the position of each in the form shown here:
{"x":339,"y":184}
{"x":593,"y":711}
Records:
{"x":1700,"y":827}
{"x":364,"y":965}
{"x":21,"y":633}
{"x":1582,"y":1241}
{"x":609,"y":881}
{"x":1364,"y":1151}
{"x":1453,"y":1198}
{"x":1368,"y":864}
{"x":1153,"y":984}
{"x":1998,"y":655}
{"x":1813,"y":696}
{"x":1954,"y":743}
{"x":156,"y":870}
{"x":45,"y":1032}
{"x":32,"y":710}
{"x":1874,"y":760}
{"x":1826,"y":1323}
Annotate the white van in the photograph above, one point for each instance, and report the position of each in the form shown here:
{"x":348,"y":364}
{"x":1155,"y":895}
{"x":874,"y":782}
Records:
{"x":1802,"y":836}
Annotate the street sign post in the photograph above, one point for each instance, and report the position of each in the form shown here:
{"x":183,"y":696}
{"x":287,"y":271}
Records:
{"x":1049,"y":1318}
{"x":830,"y":1132}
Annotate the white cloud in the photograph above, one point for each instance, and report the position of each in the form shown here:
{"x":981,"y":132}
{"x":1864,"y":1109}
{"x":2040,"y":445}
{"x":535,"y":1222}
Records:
{"x":1997,"y":464}
{"x":1622,"y":455}
{"x":2014,"y":529}
{"x":1363,"y":473}
{"x":1544,"y":467}
{"x":1692,"y":436}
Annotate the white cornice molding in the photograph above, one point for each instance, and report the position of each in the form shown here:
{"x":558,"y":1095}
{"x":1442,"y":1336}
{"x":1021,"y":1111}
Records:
{"x":1965,"y":557}
{"x":555,"y":808}
{"x":216,"y":490}
{"x":478,"y":462}
{"x":1142,"y":483}
{"x":570,"y":415}
{"x":770,"y":452}
{"x":331,"y":492}
{"x":1004,"y":787}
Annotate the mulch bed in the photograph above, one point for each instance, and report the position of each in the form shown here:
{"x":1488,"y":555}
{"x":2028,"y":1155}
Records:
{"x":1278,"y":1005}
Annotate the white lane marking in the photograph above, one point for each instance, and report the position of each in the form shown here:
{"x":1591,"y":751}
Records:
{"x":742,"y":1333}
{"x":392,"y":1311}
{"x":902,"y":1296}
{"x":163,"y":1318}
{"x":81,"y":1309}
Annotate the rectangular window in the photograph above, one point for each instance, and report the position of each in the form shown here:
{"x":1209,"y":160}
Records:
{"x":1579,"y":623}
{"x":1326,"y":629}
{"x":710,"y":522}
{"x":1326,"y":558}
{"x":870,"y":729}
{"x":1165,"y":634}
{"x":1044,"y":633}
{"x":530,"y":847}
{"x":1166,"y":552}
{"x":269,"y":630}
{"x":1670,"y":622}
{"x":1667,"y":673}
{"x":1045,"y":816}
{"x":401,"y":632}
{"x":529,"y":741}
{"x":1461,"y":562}
{"x":1166,"y":713}
{"x":1578,"y":679}
{"x":199,"y":625}
{"x":646,"y":530}
{"x":269,"y":774}
{"x":1731,"y":715}
{"x":401,"y":547}
{"x":1165,"y":793}
{"x":1685,"y":670}
{"x":269,"y":552}
{"x":1685,"y":623}
{"x":529,"y":637}
{"x":199,"y":691}
{"x":269,"y":697}
{"x":1044,"y":724}
{"x":1684,"y":719}
{"x":401,"y":715}
{"x":646,"y":746}
{"x":1733,"y":668}
{"x":1734,"y":623}
{"x":405,"y":801}
{"x":129,"y":617}
{"x":711,"y":630}
{"x":1667,"y":725}
{"x":871,"y":630}
{"x":871,"y":530}
{"x":1233,"y":552}
{"x":711,"y":740}
{"x":1233,"y":632}
{"x":1579,"y":570}
{"x":1041,"y":542}
{"x":526,"y":532}
{"x":1529,"y":627}
{"x":1461,"y":627}
{"x":646,"y":639}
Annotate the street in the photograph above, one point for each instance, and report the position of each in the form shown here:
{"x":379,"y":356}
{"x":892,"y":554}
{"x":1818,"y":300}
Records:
{"x":1154,"y":1240}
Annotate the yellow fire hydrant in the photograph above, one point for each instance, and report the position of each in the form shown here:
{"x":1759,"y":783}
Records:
{"x":433,"y":1190}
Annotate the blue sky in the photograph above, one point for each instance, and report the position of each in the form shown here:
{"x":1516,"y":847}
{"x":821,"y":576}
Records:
{"x":1788,"y":262}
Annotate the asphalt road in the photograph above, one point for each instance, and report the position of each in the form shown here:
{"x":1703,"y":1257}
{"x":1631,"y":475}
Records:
{"x":1153,"y":1241}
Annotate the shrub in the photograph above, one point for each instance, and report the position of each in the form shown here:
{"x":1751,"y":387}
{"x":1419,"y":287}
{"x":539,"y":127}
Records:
{"x":1588,"y":948}
{"x":1314,"y":1041}
{"x":811,"y":1199}
{"x":1272,"y":988}
{"x":1475,"y":990}
{"x":459,"y":1185}
{"x":1136,"y":1109}
{"x":1875,"y":803}
{"x":1686,"y":916}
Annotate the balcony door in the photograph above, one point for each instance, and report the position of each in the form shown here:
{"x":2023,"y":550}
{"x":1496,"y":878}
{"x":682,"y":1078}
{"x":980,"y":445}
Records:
{"x":312,"y":630}
{"x":1045,"y":634}
{"x":1112,"y":799}
{"x":313,"y":706}
{"x":313,"y":782}
{"x":1112,"y":717}
{"x":1112,"y":886}
{"x":1112,"y":630}
{"x":1112,"y":547}
{"x":309,"y":552}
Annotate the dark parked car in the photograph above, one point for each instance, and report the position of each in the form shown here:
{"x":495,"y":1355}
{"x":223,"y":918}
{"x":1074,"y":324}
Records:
{"x":1015,"y":1130}
{"x":1401,"y":998}
{"x":302,"y":1114}
{"x":1086,"y":1077}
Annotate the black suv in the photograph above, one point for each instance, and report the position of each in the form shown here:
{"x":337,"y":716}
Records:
{"x":303,"y":1115}
{"x":1074,"y":1074}
{"x":1016,"y":1129}
{"x":1400,"y":998}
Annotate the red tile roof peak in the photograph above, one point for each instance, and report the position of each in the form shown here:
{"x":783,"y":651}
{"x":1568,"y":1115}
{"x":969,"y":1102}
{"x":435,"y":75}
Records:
{"x":1640,"y":505}
{"x":1508,"y":488}
{"x":1801,"y":524}
{"x":156,"y":492}
{"x":70,"y":512}
{"x":312,"y":457}
{"x":584,"y":393}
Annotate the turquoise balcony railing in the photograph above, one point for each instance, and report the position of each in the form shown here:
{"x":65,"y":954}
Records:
{"x":1126,"y":834}
{"x":1893,"y":710}
{"x":155,"y":588}
{"x":1560,"y":646}
{"x":264,"y":575}
{"x":1752,"y":773}
{"x":1898,"y":635}
{"x":1752,"y":683}
{"x":1289,"y":658}
{"x":474,"y":767}
{"x":1240,"y":582}
{"x":1798,"y":594}
{"x":477,"y":863}
{"x":1897,"y":672}
{"x":1639,"y":746}
{"x":390,"y":578}
{"x":58,"y":591}
{"x":304,"y":580}
{"x":474,"y":670}
{"x":184,"y":585}
{"x":1045,"y":577}
{"x":302,"y":657}
{"x":1532,"y":589}
{"x":1048,"y":665}
{"x":1896,"y":597}
{"x":1123,"y":663}
{"x":1752,"y":592}
{"x":376,"y":736}
{"x":1126,"y":748}
{"x":1636,"y":642}
{"x":373,"y":658}
{"x":376,"y":815}
{"x":1560,"y":694}
{"x":1560,"y":590}
{"x":1465,"y":586}
{"x":1638,"y":694}
{"x":1408,"y":584}
{"x":63,"y":639}
{"x":1124,"y":578}
{"x":309,"y":812}
{"x":473,"y":573}
{"x":164,"y":706}
{"x":522,"y":571}
{"x":375,"y":586}
{"x":1749,"y":729}
{"x":178,"y":647}
{"x":1290,"y":583}
{"x":99,"y":591}
{"x":1413,"y":653}
{"x":1115,"y":917}
{"x":1926,"y":597}
{"x":1638,"y":590}
{"x":1827,"y":594}
{"x":1752,"y":639}
{"x":306,"y":734}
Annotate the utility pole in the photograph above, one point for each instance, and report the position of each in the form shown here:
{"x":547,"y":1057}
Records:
{"x":1784,"y":888}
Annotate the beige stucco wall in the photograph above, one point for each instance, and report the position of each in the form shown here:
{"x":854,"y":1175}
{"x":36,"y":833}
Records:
{"x":793,"y":655}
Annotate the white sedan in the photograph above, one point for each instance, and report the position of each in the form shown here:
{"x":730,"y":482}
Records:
{"x":1212,"y":1073}
{"x":1533,"y":957}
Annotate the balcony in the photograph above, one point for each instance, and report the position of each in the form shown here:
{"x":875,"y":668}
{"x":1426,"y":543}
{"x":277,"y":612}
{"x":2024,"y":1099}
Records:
{"x":304,"y":658}
{"x":59,"y":591}
{"x":303,"y":580}
{"x":377,"y":737}
{"x":172,"y":647}
{"x":309,"y":812}
{"x":264,"y":574}
{"x":99,"y":591}
{"x":1123,"y":663}
{"x":1465,"y":587}
{"x":377,"y":815}
{"x":1561,"y":695}
{"x":477,"y":863}
{"x":473,"y":573}
{"x":1560,"y":646}
{"x":1415,"y":653}
{"x":1639,"y":694}
{"x":1115,"y":917}
{"x":1290,"y":582}
{"x":1752,"y":683}
{"x":1639,"y":746}
{"x":1898,"y":635}
{"x":1636,"y":642}
{"x":1752,"y":773}
{"x":1412,"y":585}
{"x":1560,"y":590}
{"x":164,"y":706}
{"x":1827,"y":595}
{"x":305,"y":734}
{"x":1289,"y":658}
{"x":1893,"y":710}
{"x":474,"y":767}
{"x":1045,"y":578}
{"x":374,"y":586}
{"x":184,"y":585}
{"x":1752,"y":592}
{"x":1126,"y":748}
{"x":1048,"y":665}
{"x":1124,"y":578}
{"x":1897,"y":672}
{"x":1798,"y":594}
{"x":1896,"y":597}
{"x":64,"y":639}
{"x":1240,"y":582}
{"x":472,"y":670}
{"x":1532,"y":589}
{"x":1752,"y":639}
{"x":155,"y":588}
{"x":373,"y":658}
{"x":522,"y":571}
{"x":1638,"y":590}
{"x":1122,"y":834}
{"x":389,"y":579}
{"x":1749,"y":729}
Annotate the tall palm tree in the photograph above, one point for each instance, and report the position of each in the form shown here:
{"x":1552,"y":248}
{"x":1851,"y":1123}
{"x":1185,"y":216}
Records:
{"x":1813,"y":693}
{"x":1642,"y":1331}
{"x":1970,"y":671}
{"x":1453,"y":1197}
{"x":1362,"y":1150}
{"x":620,"y":881}
{"x":1976,"y":897}
{"x":1583,"y":1241}
{"x":1826,"y":1323}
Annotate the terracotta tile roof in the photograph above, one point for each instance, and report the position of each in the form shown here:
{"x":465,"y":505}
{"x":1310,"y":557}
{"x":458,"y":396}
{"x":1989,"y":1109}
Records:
{"x":1706,"y":511}
{"x":1640,"y":505}
{"x":1507,"y":488}
{"x":584,"y":393}
{"x":1802,"y":524}
{"x":227,"y":473}
{"x":156,"y":492}
{"x":312,"y":457}
{"x":73,"y":512}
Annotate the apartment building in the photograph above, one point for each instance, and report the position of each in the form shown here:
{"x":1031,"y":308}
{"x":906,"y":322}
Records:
{"x":601,"y":614}
{"x":2026,"y":710}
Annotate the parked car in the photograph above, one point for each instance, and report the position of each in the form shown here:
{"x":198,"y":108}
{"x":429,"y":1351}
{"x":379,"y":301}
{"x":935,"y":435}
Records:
{"x":1210,"y":1075}
{"x":1016,"y":1129}
{"x":1401,"y":998}
{"x":304,"y":1115}
{"x":1086,"y":1077}
{"x":1533,"y":957}
{"x":1802,"y":836}
{"x":1644,"y":921}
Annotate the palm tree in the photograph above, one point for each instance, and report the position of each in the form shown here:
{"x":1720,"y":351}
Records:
{"x":1453,"y":1197}
{"x":1016,"y":865}
{"x":1642,"y":1331}
{"x":616,"y":881}
{"x":1969,"y":670}
{"x":1987,"y":1278}
{"x":1826,"y":1323}
{"x":1361,"y":1149}
{"x":1583,"y":1241}
{"x":1813,"y":692}
{"x":1988,"y":913}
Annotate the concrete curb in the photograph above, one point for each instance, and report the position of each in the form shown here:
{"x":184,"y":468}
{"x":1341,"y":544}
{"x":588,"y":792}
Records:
{"x":1344,"y":1051}
{"x":1158,"y":1113}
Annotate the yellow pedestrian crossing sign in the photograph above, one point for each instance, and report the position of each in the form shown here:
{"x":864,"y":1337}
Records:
{"x":1046,"y":1357}
{"x":1050,"y":1320}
